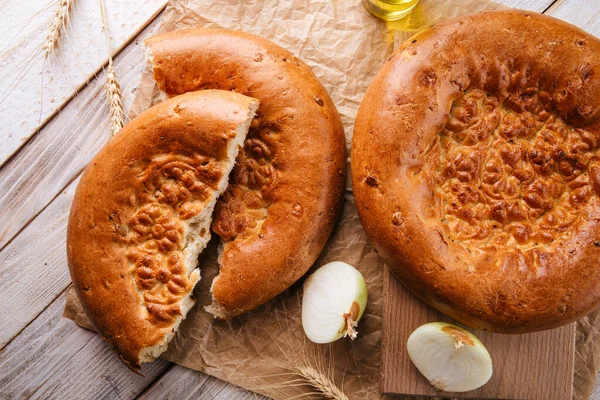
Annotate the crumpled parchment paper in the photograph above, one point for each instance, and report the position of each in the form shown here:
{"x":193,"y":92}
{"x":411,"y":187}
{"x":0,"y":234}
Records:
{"x":264,"y":350}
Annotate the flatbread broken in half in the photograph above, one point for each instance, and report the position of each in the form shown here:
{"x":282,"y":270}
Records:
{"x":142,"y":214}
{"x":287,"y":188}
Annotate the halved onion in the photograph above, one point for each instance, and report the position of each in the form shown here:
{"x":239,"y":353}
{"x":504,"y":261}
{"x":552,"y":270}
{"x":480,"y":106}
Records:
{"x":451,"y":358}
{"x":334,"y":300}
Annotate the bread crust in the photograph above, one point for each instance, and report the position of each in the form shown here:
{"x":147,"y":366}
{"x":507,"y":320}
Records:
{"x":127,"y":232}
{"x":476,"y":169}
{"x":287,"y":187}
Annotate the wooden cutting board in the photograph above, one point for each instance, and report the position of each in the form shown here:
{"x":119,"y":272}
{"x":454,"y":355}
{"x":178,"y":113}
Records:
{"x":529,"y":366}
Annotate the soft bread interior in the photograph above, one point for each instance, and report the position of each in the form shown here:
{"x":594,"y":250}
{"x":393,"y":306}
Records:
{"x":216,"y":309}
{"x":197,"y":235}
{"x":157,"y":94}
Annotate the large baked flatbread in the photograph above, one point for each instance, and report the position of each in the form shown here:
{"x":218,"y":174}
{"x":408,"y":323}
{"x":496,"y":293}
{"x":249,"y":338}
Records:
{"x":476,"y":169}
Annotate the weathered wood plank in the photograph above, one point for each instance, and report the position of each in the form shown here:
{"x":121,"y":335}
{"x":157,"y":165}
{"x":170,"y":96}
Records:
{"x":54,"y":358}
{"x":583,"y":13}
{"x":596,"y":392}
{"x":232,"y":392}
{"x":183,"y":383}
{"x":44,"y":166}
{"x":34,"y":89}
{"x":34,"y":268}
{"x":533,"y":5}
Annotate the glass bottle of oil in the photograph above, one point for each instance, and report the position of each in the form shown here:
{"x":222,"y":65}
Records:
{"x":390,"y":10}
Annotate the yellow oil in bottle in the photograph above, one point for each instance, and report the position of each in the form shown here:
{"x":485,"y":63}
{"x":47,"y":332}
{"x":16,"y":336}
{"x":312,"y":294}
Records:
{"x":390,"y":10}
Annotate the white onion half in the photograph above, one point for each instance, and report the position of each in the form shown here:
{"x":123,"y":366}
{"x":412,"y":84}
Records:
{"x":451,"y":358}
{"x":334,"y":300}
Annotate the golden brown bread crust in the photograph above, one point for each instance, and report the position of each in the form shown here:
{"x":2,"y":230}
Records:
{"x":476,"y":169}
{"x":287,"y":187}
{"x":125,"y":238}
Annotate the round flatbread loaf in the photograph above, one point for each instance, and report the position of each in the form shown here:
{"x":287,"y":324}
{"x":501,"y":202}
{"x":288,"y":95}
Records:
{"x":141,"y":215}
{"x":287,"y":187}
{"x":476,"y":169}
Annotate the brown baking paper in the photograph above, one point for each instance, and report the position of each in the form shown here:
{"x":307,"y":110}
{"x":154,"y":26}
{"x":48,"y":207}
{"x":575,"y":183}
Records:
{"x":263,"y":349}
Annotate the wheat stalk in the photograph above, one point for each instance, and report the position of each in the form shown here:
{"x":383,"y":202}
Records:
{"x":113,"y":89}
{"x":304,"y":365}
{"x":60,"y":20}
{"x":310,"y":362}
{"x":115,"y":103}
{"x":322,"y":383}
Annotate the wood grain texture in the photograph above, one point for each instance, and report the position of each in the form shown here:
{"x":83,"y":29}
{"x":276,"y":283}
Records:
{"x":54,"y":358}
{"x":582,"y":13}
{"x":33,"y":276}
{"x":34,"y":267}
{"x":60,"y":151}
{"x":531,"y":366}
{"x":180,"y":383}
{"x":38,"y":88}
{"x":595,"y":395}
{"x":533,"y":5}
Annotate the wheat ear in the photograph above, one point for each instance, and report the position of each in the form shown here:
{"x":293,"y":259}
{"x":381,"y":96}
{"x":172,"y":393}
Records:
{"x":59,"y":22}
{"x":321,"y":383}
{"x":113,"y":89}
{"x":113,"y":94}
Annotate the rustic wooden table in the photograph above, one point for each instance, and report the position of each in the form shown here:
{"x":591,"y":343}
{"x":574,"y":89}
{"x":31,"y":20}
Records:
{"x":52,"y":121}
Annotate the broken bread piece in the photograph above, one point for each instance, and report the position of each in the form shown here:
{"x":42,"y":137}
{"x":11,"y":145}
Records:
{"x":287,"y":187}
{"x":141,"y":215}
